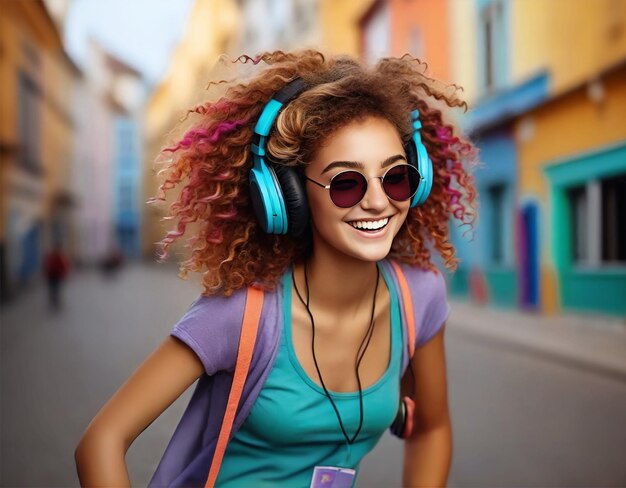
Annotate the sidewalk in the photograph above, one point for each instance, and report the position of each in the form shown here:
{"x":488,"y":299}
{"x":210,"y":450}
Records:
{"x":592,"y":342}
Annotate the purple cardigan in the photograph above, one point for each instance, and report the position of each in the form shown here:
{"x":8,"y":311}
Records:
{"x":211,"y":329}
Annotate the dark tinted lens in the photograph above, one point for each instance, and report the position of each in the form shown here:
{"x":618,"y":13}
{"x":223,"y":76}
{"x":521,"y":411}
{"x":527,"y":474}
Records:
{"x":400,"y":182}
{"x":347,"y":188}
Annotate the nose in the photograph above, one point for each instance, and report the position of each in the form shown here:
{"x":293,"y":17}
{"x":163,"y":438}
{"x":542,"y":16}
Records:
{"x":375,"y":197}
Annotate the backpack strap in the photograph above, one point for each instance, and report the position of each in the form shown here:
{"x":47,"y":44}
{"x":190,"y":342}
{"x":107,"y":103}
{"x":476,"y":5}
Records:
{"x":407,"y":302}
{"x":251,"y":318}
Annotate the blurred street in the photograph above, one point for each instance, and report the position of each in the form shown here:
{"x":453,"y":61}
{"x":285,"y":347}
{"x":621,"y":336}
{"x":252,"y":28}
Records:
{"x":523,"y":414}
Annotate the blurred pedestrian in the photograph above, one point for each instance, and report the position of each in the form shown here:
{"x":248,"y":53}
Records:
{"x":56,"y":269}
{"x":314,"y":194}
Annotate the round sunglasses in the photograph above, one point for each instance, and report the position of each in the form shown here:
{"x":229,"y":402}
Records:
{"x":347,"y":188}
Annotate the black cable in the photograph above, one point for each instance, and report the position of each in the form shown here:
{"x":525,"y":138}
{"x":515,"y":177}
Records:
{"x":368,"y":336}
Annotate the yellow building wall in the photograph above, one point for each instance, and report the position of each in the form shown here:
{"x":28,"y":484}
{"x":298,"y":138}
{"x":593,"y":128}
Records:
{"x":58,"y":135}
{"x":31,"y":44}
{"x":463,"y":46}
{"x":574,"y":39}
{"x":339,"y":25}
{"x":569,"y":125}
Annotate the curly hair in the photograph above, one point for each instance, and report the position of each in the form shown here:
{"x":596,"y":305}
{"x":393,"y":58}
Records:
{"x":213,"y":160}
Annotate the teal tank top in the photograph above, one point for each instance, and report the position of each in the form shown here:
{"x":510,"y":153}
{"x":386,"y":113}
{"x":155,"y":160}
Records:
{"x":292,"y":427}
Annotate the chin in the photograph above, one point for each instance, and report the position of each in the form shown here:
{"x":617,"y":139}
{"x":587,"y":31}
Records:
{"x":373,"y":255}
{"x":368,"y":251}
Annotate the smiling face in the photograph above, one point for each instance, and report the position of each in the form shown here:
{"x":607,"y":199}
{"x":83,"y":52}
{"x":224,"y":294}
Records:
{"x":371,"y":146}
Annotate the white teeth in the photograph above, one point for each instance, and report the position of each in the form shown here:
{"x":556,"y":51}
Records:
{"x":362,"y":224}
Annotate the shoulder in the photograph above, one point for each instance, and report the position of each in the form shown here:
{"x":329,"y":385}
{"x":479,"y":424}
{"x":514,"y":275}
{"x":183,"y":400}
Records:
{"x":432,"y":282}
{"x":428,"y":294}
{"x":211,"y":327}
{"x":425,"y":284}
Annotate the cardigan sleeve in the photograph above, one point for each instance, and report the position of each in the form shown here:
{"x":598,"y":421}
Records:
{"x":436,"y":308}
{"x":430,"y":304}
{"x":211,"y":328}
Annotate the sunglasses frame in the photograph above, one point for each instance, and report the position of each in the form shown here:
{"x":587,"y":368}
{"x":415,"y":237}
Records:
{"x":367,"y":182}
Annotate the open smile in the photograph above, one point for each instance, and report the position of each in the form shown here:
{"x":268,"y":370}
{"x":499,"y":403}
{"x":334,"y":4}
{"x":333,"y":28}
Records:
{"x":370,"y":226}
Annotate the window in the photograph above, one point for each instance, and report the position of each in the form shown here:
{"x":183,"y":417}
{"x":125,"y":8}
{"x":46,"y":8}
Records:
{"x":497,"y":224}
{"x":598,"y":217}
{"x":416,"y":42}
{"x":492,"y":44}
{"x":577,"y":198}
{"x":375,"y":31}
{"x":29,"y":124}
{"x":30,"y":53}
{"x":614,"y":219}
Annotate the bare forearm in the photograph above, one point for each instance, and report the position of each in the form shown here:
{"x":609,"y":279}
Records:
{"x":427,"y":458}
{"x":101,"y":463}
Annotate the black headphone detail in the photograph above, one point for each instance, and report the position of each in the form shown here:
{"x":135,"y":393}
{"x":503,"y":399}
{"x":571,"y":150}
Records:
{"x":402,"y":425}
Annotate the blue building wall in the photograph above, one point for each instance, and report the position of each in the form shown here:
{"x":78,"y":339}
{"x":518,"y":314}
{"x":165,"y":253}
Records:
{"x":127,"y":180}
{"x":487,"y":268}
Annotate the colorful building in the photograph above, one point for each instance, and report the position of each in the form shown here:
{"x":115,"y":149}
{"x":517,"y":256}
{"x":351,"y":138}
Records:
{"x":36,"y":141}
{"x":279,"y":24}
{"x":577,"y":182}
{"x":92,"y":177}
{"x":548,"y":116}
{"x":398,"y":27}
{"x":128,"y":91}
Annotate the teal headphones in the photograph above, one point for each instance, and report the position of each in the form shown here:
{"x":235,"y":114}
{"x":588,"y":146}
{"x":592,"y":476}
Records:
{"x":278,"y":195}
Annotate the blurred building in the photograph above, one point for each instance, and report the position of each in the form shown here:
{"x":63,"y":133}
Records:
{"x":109,"y":106}
{"x":128,"y":94}
{"x":93,"y":174}
{"x":417,"y":27}
{"x":36,"y":139}
{"x":277,"y":24}
{"x":548,"y":92}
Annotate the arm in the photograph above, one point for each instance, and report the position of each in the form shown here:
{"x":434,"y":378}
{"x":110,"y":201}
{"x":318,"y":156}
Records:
{"x":154,"y":386}
{"x":427,"y":453}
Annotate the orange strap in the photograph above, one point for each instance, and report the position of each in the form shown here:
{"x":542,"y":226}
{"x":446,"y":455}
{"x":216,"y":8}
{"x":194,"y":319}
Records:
{"x":251,"y":318}
{"x":409,"y":317}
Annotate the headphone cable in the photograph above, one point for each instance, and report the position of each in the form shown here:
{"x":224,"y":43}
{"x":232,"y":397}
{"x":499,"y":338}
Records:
{"x":360,"y":354}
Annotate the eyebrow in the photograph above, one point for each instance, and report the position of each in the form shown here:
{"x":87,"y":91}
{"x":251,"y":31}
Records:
{"x":358,"y":165}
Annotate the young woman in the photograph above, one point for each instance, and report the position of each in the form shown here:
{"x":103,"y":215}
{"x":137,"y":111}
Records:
{"x":326,"y":184}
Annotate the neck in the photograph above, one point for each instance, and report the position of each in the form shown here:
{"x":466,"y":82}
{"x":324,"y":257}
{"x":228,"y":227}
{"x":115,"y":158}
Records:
{"x":337,"y":282}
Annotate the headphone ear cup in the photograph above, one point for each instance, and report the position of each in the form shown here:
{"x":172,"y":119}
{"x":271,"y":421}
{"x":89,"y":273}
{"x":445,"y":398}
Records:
{"x":425,"y":168}
{"x":397,"y":427}
{"x":402,"y":425}
{"x":267,"y":201}
{"x":412,"y":158}
{"x":409,"y":404}
{"x":418,"y":156}
{"x":294,"y":196}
